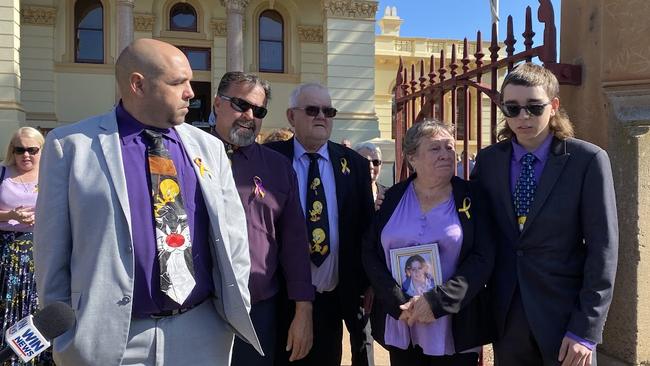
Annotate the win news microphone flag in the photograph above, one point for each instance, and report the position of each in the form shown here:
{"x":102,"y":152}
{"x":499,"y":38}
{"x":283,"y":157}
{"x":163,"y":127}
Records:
{"x":31,"y":335}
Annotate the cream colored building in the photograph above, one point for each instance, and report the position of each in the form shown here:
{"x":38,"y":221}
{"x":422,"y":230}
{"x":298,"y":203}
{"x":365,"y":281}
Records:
{"x":389,"y":48}
{"x":57,"y":57}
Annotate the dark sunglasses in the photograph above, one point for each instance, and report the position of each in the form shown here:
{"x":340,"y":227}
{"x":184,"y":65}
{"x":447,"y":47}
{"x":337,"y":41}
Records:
{"x":513,"y":110}
{"x":19,"y":150}
{"x":313,"y":110}
{"x":375,"y":162}
{"x":242,"y":106}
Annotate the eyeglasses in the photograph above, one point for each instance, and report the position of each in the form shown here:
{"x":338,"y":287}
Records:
{"x":513,"y":110}
{"x":313,"y":110}
{"x":375,"y":162}
{"x":241,"y":105}
{"x":19,"y":150}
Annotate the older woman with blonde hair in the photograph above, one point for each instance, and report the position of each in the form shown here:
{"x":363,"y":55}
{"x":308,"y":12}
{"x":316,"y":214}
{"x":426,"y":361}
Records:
{"x":18,"y":191}
{"x":448,"y":323}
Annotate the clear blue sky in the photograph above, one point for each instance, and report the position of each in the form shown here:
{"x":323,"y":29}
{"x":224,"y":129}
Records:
{"x":456,"y":19}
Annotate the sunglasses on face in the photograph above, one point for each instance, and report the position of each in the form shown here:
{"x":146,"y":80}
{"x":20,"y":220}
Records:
{"x":513,"y":110}
{"x":313,"y":110}
{"x":375,"y":162}
{"x":242,"y":106}
{"x":19,"y":150}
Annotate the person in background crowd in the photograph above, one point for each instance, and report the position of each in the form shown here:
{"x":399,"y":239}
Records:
{"x":18,"y":192}
{"x":347,"y":143}
{"x":447,"y":324}
{"x":277,"y":234}
{"x":279,"y":134}
{"x":372,"y":152}
{"x":140,"y":228}
{"x":556,"y":229}
{"x":335,"y":195}
{"x":459,"y":165}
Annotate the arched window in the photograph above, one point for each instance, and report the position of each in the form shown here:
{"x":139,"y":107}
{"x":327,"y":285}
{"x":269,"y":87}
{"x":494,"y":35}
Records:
{"x":271,"y":48}
{"x":89,"y":31}
{"x":182,"y":17}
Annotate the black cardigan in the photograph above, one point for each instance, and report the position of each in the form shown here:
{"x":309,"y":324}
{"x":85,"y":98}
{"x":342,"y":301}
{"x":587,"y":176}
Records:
{"x":471,"y":318}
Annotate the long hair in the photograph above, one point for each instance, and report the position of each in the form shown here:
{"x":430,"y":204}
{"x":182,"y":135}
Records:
{"x":530,"y":75}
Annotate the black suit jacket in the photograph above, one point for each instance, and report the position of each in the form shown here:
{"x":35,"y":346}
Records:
{"x":356,"y":210}
{"x":463,"y":296}
{"x":564,"y":260}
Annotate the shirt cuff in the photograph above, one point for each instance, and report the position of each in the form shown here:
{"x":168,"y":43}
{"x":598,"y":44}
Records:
{"x":301,"y":291}
{"x":582,"y":341}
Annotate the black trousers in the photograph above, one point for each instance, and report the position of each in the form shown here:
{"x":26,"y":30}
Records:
{"x":518,"y":346}
{"x":263,"y":316}
{"x":414,"y":356}
{"x":330,"y":310}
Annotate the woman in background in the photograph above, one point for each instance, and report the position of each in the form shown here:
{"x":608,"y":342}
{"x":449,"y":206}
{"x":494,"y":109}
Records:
{"x":18,"y":191}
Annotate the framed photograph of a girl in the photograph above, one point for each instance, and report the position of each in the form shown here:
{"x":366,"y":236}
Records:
{"x":416,"y":268}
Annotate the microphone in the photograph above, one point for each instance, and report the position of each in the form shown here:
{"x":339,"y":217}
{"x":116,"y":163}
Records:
{"x":31,"y":335}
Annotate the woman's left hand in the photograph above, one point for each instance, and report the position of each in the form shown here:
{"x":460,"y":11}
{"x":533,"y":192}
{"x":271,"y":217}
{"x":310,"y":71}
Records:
{"x":419,"y":310}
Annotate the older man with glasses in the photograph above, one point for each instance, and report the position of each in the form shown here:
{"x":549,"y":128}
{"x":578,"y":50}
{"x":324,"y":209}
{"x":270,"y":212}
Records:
{"x":335,"y":194}
{"x":277,"y":236}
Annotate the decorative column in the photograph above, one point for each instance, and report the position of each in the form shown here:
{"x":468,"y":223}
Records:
{"x":124,"y":24}
{"x":349,"y":33}
{"x":235,"y":33}
{"x":312,"y":51}
{"x":612,"y":109}
{"x":38,"y":85}
{"x":12,"y":114}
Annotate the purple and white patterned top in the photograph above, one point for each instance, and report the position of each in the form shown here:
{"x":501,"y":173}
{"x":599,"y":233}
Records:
{"x":409,"y":226}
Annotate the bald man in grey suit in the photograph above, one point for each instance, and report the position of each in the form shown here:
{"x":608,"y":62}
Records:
{"x":95,"y":247}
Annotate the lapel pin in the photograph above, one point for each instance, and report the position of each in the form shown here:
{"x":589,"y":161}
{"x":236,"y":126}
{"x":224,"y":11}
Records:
{"x":467,"y":203}
{"x":344,"y":166}
{"x":202,"y":168}
{"x":258,"y":191}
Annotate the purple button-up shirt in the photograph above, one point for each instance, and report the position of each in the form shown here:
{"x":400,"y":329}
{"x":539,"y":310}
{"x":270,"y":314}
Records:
{"x":277,"y":234}
{"x":541,"y":155}
{"x":518,"y":152}
{"x":147,"y":297}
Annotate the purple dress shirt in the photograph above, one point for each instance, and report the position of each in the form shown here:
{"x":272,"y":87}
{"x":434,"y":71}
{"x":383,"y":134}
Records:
{"x":147,"y":297}
{"x":409,"y":226}
{"x":277,"y":234}
{"x":541,"y":155}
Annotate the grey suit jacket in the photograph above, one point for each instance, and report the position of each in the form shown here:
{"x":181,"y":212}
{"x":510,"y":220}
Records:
{"x":83,"y":248}
{"x":564,"y":261}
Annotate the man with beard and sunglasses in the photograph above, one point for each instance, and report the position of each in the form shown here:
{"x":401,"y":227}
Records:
{"x":336,"y":196}
{"x":268,"y":189}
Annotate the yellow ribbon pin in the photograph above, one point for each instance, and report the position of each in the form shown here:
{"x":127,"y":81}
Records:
{"x":344,"y":166}
{"x":202,"y":168}
{"x":467,"y":203}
